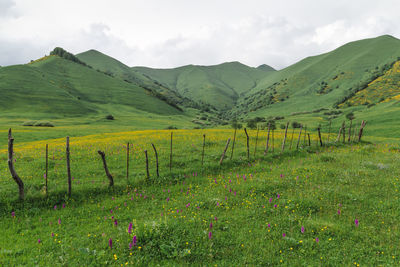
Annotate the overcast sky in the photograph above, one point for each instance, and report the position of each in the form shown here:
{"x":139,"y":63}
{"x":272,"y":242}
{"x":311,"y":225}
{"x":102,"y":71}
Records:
{"x":171,"y":33}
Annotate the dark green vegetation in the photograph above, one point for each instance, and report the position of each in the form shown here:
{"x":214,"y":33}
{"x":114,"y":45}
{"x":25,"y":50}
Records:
{"x":315,"y":207}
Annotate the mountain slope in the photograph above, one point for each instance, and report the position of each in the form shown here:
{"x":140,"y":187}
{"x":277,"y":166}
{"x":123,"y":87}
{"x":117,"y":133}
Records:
{"x":219,"y":85}
{"x":117,"y":69}
{"x":320,"y":81}
{"x":56,"y":87}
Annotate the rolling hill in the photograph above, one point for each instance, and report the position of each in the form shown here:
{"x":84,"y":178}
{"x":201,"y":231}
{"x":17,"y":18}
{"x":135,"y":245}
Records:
{"x":219,"y":85}
{"x":54,"y":87}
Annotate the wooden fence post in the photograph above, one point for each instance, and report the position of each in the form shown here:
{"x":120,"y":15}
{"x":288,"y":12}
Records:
{"x":14,"y":174}
{"x":305,"y":135}
{"x":291,"y":139}
{"x":266,"y":145}
{"x":155,"y":151}
{"x":170,"y":156}
{"x":248,"y":150}
{"x":339,"y":134}
{"x":108,"y":174}
{"x":298,"y":140}
{"x":284,"y":139}
{"x":273,"y":141}
{"x":344,"y":131}
{"x":233,"y":144}
{"x":127,"y":162}
{"x":202,"y":154}
{"x":255,"y":148}
{"x":363,"y":123}
{"x":319,"y":135}
{"x":351,"y":122}
{"x":309,"y":139}
{"x":223,"y":154}
{"x":68,"y":169}
{"x":47,"y":166}
{"x":147,"y":166}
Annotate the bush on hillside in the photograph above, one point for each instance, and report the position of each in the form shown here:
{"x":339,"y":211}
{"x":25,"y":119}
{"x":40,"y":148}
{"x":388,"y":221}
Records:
{"x":43,"y":124}
{"x":110,"y":117}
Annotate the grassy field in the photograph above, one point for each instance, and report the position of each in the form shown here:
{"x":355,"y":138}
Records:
{"x":330,"y":206}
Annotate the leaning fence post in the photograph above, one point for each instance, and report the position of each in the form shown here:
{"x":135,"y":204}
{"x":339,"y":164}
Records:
{"x":108,"y":174}
{"x":170,"y":156}
{"x":223,"y":154}
{"x":291,"y":140}
{"x":202,"y":154}
{"x":248,"y":150}
{"x":305,"y":136}
{"x":351,"y":122}
{"x":273,"y":142}
{"x":309,"y":139}
{"x":266,"y":145}
{"x":344,"y":131}
{"x":68,"y":169}
{"x":147,"y":166}
{"x":127,"y":162}
{"x":255,"y":149}
{"x":284,"y":139}
{"x":319,"y":135}
{"x":233,"y":143}
{"x":340,"y":133}
{"x":47,"y":165}
{"x":155,"y":151}
{"x":14,"y":174}
{"x":361,"y":130}
{"x":298,"y":140}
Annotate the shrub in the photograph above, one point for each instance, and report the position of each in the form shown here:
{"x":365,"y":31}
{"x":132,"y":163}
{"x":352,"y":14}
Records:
{"x":282,"y":126}
{"x":110,"y":117}
{"x":171,"y":127}
{"x":43,"y":124}
{"x":296,"y":124}
{"x":29,"y":123}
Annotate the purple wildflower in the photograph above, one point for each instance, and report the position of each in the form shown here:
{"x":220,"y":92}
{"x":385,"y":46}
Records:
{"x":13,"y":214}
{"x":356,"y":222}
{"x":211,"y":225}
{"x":130,"y":228}
{"x":39,"y":241}
{"x":209,"y":235}
{"x":317,"y":239}
{"x":115,"y":222}
{"x":302,"y":230}
{"x":134,"y":240}
{"x":110,"y":243}
{"x":284,"y":235}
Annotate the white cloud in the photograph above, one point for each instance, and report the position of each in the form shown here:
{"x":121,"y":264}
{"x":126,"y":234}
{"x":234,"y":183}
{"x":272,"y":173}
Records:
{"x":177,"y":32}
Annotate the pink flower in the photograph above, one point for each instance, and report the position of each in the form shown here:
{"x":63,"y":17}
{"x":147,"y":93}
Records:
{"x":130,"y":228}
{"x":39,"y":241}
{"x":283,"y":235}
{"x":13,"y":214}
{"x":338,"y":212}
{"x":110,"y":243}
{"x":209,"y":235}
{"x":356,"y":222}
{"x":302,"y":230}
{"x":317,"y":239}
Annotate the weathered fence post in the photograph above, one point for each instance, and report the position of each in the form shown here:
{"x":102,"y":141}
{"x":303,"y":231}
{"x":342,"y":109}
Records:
{"x":309,"y":139}
{"x":363,"y":123}
{"x":223,"y":154}
{"x":248,"y":150}
{"x":108,"y":174}
{"x":170,"y":156}
{"x":273,"y":141}
{"x":351,"y":122}
{"x":255,"y":148}
{"x":305,"y":135}
{"x":202,"y":154}
{"x":155,"y":151}
{"x":233,"y":144}
{"x":68,"y":169}
{"x":291,"y":139}
{"x":344,"y":131}
{"x":355,"y":134}
{"x":266,"y":145}
{"x":127,"y":162}
{"x":14,"y":174}
{"x":319,"y":135}
{"x":340,"y":133}
{"x":47,"y":166}
{"x":284,"y":139}
{"x":298,"y":140}
{"x":147,"y":166}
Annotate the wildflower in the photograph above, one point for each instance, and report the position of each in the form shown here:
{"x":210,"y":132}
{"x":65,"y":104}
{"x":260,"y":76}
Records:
{"x":115,"y":222}
{"x":130,"y":228}
{"x":63,"y":205}
{"x":317,"y":239}
{"x":211,"y":225}
{"x":52,"y":234}
{"x":302,"y":229}
{"x":167,"y":199}
{"x":270,"y":200}
{"x":356,"y":222}
{"x":134,"y":240}
{"x":209,"y":235}
{"x":283,"y":235}
{"x":130,"y":245}
{"x":269,"y":225}
{"x":59,"y":221}
{"x":13,"y":214}
{"x":39,"y":241}
{"x":338,"y":212}
{"x":110,"y":243}
{"x":278,"y":196}
{"x":55,"y":207}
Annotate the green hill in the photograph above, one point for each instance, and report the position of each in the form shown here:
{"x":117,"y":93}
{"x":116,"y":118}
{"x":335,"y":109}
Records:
{"x":320,"y":81}
{"x":117,"y":69}
{"x":54,"y":87}
{"x":219,"y":85}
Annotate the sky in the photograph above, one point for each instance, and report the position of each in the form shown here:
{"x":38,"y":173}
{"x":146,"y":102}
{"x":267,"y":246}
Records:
{"x":166,"y":34}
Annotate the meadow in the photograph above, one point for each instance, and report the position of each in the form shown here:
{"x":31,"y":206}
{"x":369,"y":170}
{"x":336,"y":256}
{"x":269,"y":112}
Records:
{"x":315,"y":206}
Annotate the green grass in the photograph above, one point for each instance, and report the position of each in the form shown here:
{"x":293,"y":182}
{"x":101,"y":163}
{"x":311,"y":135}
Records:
{"x":308,"y":187}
